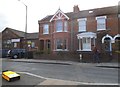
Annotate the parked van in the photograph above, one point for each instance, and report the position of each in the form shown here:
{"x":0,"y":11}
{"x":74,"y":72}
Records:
{"x":17,"y":53}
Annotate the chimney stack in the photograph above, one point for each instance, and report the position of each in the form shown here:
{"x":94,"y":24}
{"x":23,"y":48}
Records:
{"x":76,"y":9}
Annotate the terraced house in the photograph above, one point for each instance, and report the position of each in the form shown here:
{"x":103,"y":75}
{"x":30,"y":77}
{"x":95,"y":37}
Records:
{"x":79,"y":31}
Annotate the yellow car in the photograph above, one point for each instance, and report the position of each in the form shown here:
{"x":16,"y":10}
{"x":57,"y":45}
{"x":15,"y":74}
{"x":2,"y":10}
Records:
{"x":10,"y":76}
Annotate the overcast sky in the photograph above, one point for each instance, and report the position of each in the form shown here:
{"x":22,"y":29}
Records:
{"x":12,"y":12}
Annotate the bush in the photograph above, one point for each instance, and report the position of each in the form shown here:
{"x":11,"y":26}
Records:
{"x":38,"y":52}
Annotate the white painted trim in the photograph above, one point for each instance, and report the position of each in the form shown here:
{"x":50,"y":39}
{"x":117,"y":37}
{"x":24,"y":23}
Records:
{"x":112,"y":41}
{"x":108,"y":37}
{"x":101,"y":29}
{"x":85,"y":50}
{"x":59,"y":11}
{"x":118,"y":35}
{"x":101,"y":17}
{"x":80,"y":19}
{"x":87,"y":34}
{"x":61,"y":50}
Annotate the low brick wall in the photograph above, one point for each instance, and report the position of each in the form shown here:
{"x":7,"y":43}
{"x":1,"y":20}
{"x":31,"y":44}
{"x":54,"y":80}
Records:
{"x":75,"y":56}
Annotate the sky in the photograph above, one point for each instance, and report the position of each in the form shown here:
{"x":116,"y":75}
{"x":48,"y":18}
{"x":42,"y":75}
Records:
{"x":12,"y":12}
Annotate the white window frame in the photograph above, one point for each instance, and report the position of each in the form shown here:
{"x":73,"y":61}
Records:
{"x":46,"y":29}
{"x":65,"y":26}
{"x":86,"y":44}
{"x":61,"y":30}
{"x":62,"y":43}
{"x":81,"y":27}
{"x":103,"y":23}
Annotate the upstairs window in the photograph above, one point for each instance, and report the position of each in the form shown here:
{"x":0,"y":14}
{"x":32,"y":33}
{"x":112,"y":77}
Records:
{"x":82,"y":25}
{"x":101,"y":22}
{"x":65,"y":26}
{"x":59,"y":26}
{"x":45,"y":29}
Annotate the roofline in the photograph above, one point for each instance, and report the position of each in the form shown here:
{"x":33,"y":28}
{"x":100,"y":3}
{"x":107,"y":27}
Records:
{"x":40,"y":21}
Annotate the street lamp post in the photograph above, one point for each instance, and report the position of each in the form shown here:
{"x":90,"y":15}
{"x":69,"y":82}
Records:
{"x":25,"y":37}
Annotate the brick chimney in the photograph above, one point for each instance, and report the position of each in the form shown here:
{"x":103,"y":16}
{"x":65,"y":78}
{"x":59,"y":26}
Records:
{"x":76,"y":9}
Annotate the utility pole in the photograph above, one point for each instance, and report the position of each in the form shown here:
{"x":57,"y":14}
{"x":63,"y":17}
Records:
{"x":25,"y":36}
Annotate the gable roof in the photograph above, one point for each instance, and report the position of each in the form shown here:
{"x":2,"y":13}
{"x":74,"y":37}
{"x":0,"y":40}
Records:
{"x":17,"y":32}
{"x":22,"y":34}
{"x":59,"y":11}
{"x":85,"y":13}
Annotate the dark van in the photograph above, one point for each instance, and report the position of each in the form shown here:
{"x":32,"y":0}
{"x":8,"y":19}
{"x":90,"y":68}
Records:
{"x":17,"y":53}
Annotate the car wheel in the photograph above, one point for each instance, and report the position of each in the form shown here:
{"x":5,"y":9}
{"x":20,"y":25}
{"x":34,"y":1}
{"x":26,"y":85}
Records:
{"x":15,"y":56}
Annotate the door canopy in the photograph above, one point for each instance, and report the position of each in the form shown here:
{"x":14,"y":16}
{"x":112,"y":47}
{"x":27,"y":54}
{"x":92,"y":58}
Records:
{"x":86,"y":34}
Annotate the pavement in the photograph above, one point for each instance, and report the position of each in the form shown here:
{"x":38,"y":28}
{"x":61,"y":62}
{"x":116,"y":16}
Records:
{"x":107,"y":65}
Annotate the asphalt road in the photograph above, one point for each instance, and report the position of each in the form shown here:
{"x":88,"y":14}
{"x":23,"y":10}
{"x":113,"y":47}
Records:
{"x":25,"y":80}
{"x":80,"y":73}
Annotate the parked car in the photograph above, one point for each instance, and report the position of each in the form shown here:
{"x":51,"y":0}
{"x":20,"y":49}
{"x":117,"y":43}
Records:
{"x":17,"y":53}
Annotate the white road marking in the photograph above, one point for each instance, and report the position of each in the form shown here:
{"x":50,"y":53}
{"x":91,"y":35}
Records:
{"x":33,"y":75}
{"x":78,"y":83}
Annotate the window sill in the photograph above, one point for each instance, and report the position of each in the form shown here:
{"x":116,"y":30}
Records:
{"x":61,"y":50}
{"x":60,"y":32}
{"x":100,"y":29}
{"x":85,"y":50}
{"x":45,"y":33}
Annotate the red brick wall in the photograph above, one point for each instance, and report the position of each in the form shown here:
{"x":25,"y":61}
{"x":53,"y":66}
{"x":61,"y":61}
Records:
{"x":112,"y":24}
{"x":111,"y":29}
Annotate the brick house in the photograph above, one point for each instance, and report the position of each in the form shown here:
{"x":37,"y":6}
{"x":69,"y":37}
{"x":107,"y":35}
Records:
{"x":15,"y":39}
{"x":79,"y":31}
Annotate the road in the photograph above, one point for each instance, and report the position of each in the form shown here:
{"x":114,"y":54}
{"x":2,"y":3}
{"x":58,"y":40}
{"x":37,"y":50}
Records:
{"x":85,"y":73}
